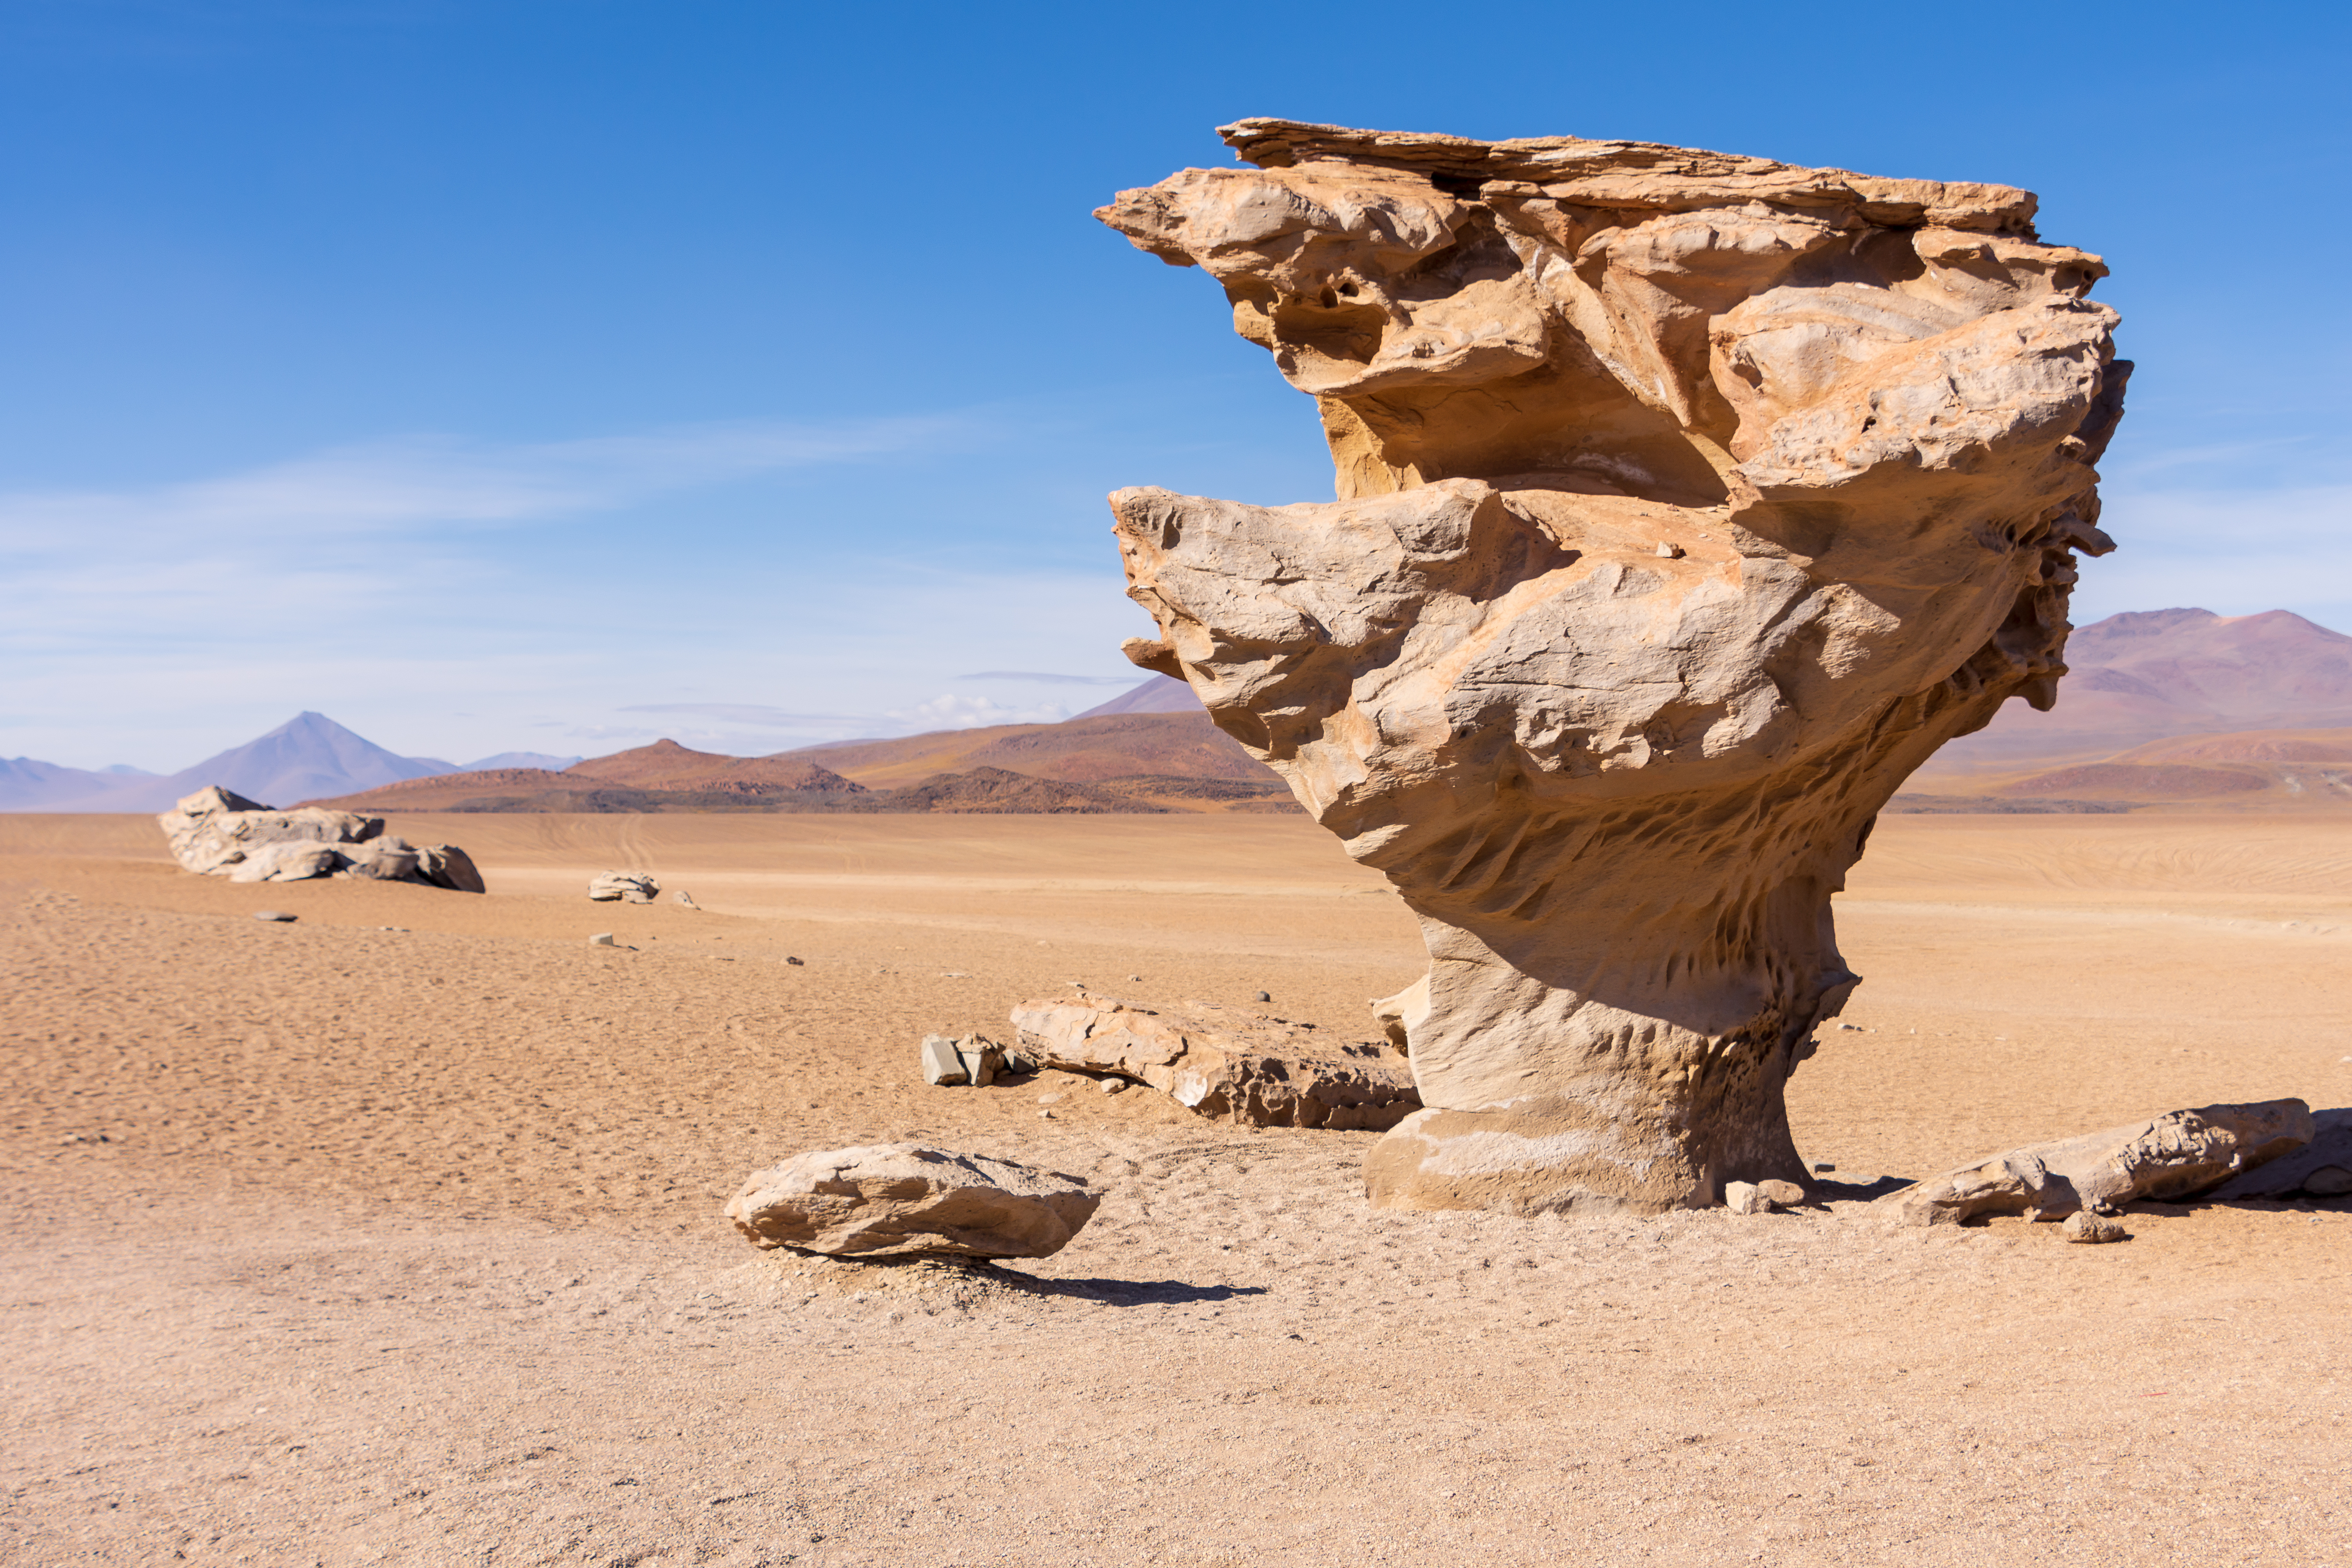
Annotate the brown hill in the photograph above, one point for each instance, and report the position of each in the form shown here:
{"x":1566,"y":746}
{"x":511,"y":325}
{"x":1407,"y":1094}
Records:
{"x":667,"y":765}
{"x":1164,"y":746}
{"x":2254,"y":767}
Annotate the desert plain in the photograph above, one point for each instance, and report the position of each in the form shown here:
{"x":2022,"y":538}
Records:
{"x":392,"y":1235}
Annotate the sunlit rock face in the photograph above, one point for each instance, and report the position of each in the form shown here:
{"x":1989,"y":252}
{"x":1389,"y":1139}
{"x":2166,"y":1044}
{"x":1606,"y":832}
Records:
{"x":1686,"y":504}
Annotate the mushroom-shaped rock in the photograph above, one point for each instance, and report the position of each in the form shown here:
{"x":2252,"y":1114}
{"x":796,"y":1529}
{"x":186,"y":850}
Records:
{"x":1687,"y":503}
{"x":895,"y":1200}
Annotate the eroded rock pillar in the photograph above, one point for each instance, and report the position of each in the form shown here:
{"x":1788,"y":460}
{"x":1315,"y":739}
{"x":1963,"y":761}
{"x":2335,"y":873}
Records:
{"x":1687,"y":503}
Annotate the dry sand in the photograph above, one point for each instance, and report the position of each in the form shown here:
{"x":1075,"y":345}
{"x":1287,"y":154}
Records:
{"x":330,"y":1244}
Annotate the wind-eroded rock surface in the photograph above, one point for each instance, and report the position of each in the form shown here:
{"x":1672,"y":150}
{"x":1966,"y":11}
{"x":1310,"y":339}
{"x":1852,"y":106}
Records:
{"x":1686,"y":504}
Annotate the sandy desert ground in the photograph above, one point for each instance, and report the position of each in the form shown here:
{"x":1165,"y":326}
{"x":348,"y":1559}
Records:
{"x":392,"y":1235}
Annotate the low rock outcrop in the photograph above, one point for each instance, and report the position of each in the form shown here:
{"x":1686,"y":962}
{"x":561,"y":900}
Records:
{"x":1222,"y":1062}
{"x":1687,"y":503}
{"x":896,"y":1200}
{"x":217,"y":832}
{"x":2177,"y":1155}
{"x":623,"y":886}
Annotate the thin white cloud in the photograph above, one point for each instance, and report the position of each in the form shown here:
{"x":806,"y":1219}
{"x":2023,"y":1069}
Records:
{"x":955,"y":712}
{"x":440,"y":482}
{"x":1050,"y":680}
{"x":2233,"y":551}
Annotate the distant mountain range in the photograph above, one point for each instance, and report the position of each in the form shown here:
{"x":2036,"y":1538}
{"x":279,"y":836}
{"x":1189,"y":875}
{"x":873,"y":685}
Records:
{"x":2138,"y":680}
{"x":309,"y":754}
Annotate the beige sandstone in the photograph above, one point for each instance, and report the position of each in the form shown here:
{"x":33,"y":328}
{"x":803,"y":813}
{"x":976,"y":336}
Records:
{"x":1221,"y":1062}
{"x":618,"y":887}
{"x":1685,"y":504}
{"x":2321,"y":1168}
{"x":2182,"y":1153}
{"x":895,"y":1200}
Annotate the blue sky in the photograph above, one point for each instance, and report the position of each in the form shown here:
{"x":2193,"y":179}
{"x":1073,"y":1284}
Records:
{"x":501,"y":374}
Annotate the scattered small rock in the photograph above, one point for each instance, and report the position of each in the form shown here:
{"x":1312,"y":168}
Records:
{"x":1044,"y":1116}
{"x":2085,"y":1226}
{"x":601,"y":939}
{"x":1114,"y":1086}
{"x":1822,"y":1167}
{"x":954,"y":975}
{"x":1049,"y":1098}
{"x":1263,"y":996}
{"x":1761,"y":1197}
{"x":795,"y":963}
{"x":942,"y":1067}
{"x":272,"y":915}
{"x":1139,"y":977}
{"x":682,"y":899}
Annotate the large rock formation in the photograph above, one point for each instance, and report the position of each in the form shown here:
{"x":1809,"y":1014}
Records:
{"x":217,"y":832}
{"x":1687,"y":503}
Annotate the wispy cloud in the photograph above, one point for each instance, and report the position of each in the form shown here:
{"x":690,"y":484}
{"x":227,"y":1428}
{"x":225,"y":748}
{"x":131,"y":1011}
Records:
{"x":1050,"y":680}
{"x":752,"y":713}
{"x":960,"y":712}
{"x":433,"y":482}
{"x":2233,"y":551}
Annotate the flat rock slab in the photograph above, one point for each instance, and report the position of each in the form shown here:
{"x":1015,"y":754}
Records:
{"x":1221,"y":1062}
{"x":897,"y":1200}
{"x":2179,"y":1155}
{"x":2321,"y":1168}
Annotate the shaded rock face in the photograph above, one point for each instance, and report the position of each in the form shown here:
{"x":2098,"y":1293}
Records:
{"x":896,"y":1200}
{"x":1221,"y":1062}
{"x":1686,"y":504}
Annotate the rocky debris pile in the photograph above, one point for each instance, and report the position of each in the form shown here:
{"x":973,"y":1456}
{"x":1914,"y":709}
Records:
{"x":1687,"y":503}
{"x":217,"y":832}
{"x":617,"y":886}
{"x":1761,"y":1197}
{"x":895,"y":1200}
{"x":2179,"y":1155}
{"x":975,"y":1060}
{"x":1222,"y":1062}
{"x":2320,"y":1169}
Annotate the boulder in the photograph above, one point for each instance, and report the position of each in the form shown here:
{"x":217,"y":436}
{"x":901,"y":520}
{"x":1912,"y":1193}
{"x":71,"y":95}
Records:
{"x":447,"y":865}
{"x":895,"y":1200}
{"x":614,"y":886}
{"x":1685,"y":504}
{"x":2320,"y":1169}
{"x":215,"y":829}
{"x":2175,"y":1155}
{"x":1222,"y":1062}
{"x":217,"y":832}
{"x":1761,"y":1197}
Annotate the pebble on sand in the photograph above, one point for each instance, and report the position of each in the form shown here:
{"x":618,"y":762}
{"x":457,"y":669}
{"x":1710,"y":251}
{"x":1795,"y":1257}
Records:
{"x":271,"y":915}
{"x":1265,"y":996}
{"x":601,"y":939}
